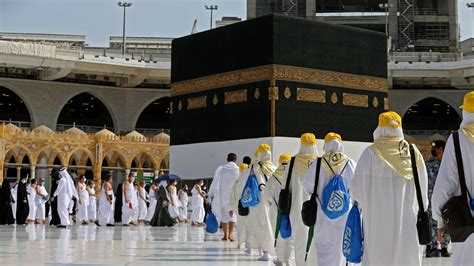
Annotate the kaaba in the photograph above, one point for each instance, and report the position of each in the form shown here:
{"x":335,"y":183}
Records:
{"x":268,"y":80}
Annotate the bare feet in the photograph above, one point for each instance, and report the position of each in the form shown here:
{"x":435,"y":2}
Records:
{"x":231,"y":239}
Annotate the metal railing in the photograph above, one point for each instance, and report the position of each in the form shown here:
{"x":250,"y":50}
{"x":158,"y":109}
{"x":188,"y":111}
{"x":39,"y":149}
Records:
{"x":149,"y":132}
{"x":86,"y":129}
{"x":423,"y":57}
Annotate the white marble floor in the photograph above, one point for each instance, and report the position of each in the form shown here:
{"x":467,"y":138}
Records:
{"x":140,"y":245}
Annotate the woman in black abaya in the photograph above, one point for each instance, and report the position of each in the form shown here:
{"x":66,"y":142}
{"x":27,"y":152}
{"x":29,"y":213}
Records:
{"x":118,"y":204}
{"x":22,"y":208}
{"x":6,"y":201}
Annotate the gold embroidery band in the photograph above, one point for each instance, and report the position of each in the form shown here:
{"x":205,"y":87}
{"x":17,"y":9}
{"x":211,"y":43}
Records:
{"x":197,"y":102}
{"x":280,"y":72}
{"x":310,"y":95}
{"x":355,"y":100}
{"x":235,"y":96}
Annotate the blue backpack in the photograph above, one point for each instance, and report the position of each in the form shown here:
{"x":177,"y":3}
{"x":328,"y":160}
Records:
{"x":251,"y":193}
{"x":212,"y":226}
{"x":285,"y":227}
{"x":353,"y":241}
{"x":336,"y":199}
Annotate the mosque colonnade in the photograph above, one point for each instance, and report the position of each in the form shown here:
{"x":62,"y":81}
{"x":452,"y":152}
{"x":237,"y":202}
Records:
{"x":45,"y":102}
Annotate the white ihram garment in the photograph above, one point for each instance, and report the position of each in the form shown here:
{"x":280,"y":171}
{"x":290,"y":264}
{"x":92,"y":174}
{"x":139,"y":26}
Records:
{"x":326,"y":247}
{"x":152,"y":206}
{"x":64,"y":194}
{"x":142,"y":209}
{"x":389,"y":208}
{"x":82,"y":206}
{"x":173,"y":208}
{"x":198,"y":207}
{"x":214,"y":194}
{"x":40,"y":204}
{"x":447,"y":186}
{"x":92,"y":209}
{"x":31,"y":202}
{"x":229,"y":173}
{"x":106,"y":214}
{"x":183,"y":210}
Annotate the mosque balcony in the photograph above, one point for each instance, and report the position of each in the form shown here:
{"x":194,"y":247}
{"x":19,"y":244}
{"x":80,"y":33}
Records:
{"x":48,"y":62}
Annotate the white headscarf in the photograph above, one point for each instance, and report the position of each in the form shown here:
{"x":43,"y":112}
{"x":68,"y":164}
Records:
{"x":265,"y":156}
{"x":163,"y":183}
{"x":308,"y":149}
{"x":71,"y":190}
{"x":467,"y":118}
{"x":388,"y":132}
{"x":333,"y":146}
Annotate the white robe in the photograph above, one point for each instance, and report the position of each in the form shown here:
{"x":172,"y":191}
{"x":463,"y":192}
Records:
{"x":447,"y":185}
{"x":183,"y":209}
{"x":198,"y":207}
{"x":229,"y":173}
{"x":389,"y":209}
{"x":152,"y":206}
{"x":92,"y":209}
{"x":82,"y":206}
{"x":259,"y":218}
{"x":106,"y":214}
{"x":142,"y":209}
{"x":64,"y":193}
{"x":173,"y":208}
{"x":328,"y":234}
{"x":40,"y":204}
{"x":31,"y":202}
{"x":14,"y":194}
{"x":246,"y":233}
{"x":294,"y":247}
{"x":127,"y":212}
{"x":214,"y":194}
{"x":272,"y":194}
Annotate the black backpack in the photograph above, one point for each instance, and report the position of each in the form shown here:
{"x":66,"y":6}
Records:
{"x":455,"y":212}
{"x":284,"y":199}
{"x":309,"y":211}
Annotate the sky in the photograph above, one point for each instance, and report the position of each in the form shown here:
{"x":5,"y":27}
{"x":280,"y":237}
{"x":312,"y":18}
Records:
{"x":99,"y":19}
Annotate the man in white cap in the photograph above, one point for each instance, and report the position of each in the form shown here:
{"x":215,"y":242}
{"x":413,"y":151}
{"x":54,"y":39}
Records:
{"x":294,"y":247}
{"x":129,"y":201}
{"x":263,"y":169}
{"x":64,"y":194}
{"x":384,"y":186}
{"x":448,"y":182}
{"x":328,"y":233}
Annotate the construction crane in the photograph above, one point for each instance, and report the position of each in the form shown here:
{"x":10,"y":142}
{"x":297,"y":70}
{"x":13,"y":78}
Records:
{"x":193,"y":30}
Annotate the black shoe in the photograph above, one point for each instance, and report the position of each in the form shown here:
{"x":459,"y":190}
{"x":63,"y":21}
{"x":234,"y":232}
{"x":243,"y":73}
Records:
{"x":432,"y":252}
{"x":110,"y":225}
{"x":97,"y":223}
{"x":125,"y":225}
{"x":61,"y":226}
{"x":445,"y":253}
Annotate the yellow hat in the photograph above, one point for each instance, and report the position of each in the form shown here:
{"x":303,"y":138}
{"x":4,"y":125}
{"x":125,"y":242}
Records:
{"x":308,"y":139}
{"x":255,"y":154}
{"x":243,"y":166}
{"x":263,"y":147}
{"x":468,"y":104}
{"x":284,"y":157}
{"x":332,"y":136}
{"x":390,"y":119}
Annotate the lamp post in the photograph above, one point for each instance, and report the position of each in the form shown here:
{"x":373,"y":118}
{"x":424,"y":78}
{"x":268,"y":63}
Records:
{"x":211,"y":8}
{"x":124,"y":5}
{"x":386,"y":7}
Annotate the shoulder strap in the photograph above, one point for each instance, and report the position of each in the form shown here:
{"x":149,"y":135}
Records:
{"x":416,"y":177}
{"x":316,"y":179}
{"x":462,"y":177}
{"x":290,"y":171}
{"x":326,"y":161}
{"x":344,"y":168}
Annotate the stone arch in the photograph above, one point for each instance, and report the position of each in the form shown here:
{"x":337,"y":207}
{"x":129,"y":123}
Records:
{"x":96,"y":101}
{"x":20,"y":99}
{"x":408,"y":102}
{"x":73,"y":154}
{"x":146,"y":117}
{"x":118,"y":156}
{"x":42,"y":154}
{"x":141,"y":158}
{"x":431,"y":113}
{"x":56,"y":153}
{"x":22,"y":152}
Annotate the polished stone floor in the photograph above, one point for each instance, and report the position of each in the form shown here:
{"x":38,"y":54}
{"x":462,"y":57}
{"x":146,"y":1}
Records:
{"x":140,"y":245}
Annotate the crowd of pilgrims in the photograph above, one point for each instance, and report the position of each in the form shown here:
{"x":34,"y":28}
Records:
{"x":75,"y":201}
{"x":388,"y":185}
